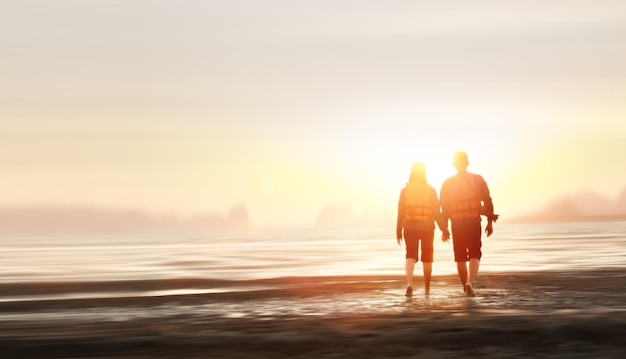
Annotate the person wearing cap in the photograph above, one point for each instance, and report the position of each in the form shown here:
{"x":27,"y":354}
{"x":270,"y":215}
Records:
{"x":418,"y":210}
{"x":464,"y":198}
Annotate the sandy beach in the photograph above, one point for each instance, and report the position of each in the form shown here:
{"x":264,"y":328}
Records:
{"x":514,"y":315}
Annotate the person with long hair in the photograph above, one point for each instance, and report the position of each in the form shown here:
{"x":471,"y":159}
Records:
{"x":418,"y":210}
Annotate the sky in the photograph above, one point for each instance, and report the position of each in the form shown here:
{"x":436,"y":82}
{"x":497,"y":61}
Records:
{"x":288,"y":107}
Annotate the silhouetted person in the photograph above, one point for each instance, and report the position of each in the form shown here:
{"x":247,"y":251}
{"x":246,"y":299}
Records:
{"x":418,"y":209}
{"x":464,"y":198}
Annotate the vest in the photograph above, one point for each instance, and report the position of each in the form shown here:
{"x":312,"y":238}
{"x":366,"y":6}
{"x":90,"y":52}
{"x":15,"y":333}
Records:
{"x":465,"y":201}
{"x":418,"y":207}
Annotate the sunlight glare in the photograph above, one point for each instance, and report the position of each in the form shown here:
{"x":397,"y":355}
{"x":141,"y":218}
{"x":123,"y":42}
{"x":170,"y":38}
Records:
{"x":414,"y":135}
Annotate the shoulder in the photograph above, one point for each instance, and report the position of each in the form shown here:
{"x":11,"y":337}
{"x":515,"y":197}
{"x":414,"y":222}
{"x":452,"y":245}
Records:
{"x":449,"y":180}
{"x":478,"y":178}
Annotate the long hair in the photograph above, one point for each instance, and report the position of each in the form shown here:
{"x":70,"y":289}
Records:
{"x":418,"y":173}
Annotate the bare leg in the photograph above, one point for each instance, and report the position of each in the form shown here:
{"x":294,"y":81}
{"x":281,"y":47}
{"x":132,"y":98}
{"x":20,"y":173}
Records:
{"x":409,"y":265}
{"x":474,"y":263}
{"x":428,"y":270}
{"x":462,"y":269}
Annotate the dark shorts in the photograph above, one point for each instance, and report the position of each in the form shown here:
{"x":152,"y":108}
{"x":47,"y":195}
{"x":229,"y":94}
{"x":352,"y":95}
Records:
{"x":412,"y":239}
{"x":466,"y":240}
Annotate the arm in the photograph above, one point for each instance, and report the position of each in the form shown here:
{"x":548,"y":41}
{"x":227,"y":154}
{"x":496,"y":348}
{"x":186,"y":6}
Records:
{"x":443,"y":226}
{"x":445,"y":213}
{"x":441,"y":217}
{"x":487,"y":205}
{"x":401,"y":210}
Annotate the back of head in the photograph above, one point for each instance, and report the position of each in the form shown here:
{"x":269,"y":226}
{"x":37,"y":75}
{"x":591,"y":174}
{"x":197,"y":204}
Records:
{"x":460,"y":160}
{"x":418,"y":172}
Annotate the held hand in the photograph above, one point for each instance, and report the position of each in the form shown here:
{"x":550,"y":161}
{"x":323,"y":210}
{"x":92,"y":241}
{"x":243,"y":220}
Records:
{"x":489,"y":229}
{"x":445,"y":237}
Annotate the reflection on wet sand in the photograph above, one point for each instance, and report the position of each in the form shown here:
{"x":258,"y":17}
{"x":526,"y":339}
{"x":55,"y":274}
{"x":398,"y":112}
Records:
{"x":548,"y":314}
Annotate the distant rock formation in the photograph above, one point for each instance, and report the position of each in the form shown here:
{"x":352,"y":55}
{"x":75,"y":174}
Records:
{"x":620,"y":204}
{"x":206,"y":221}
{"x":334,"y":216}
{"x":93,"y":220}
{"x":238,"y":218}
{"x":562,"y":207}
{"x":79,"y":220}
{"x":583,"y":206}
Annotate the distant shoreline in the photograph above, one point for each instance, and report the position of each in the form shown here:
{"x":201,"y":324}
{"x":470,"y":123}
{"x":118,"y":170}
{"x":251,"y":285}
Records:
{"x":566,"y":219}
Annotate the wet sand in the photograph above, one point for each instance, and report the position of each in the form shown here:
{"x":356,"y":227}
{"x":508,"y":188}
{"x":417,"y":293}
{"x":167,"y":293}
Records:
{"x":514,"y":315}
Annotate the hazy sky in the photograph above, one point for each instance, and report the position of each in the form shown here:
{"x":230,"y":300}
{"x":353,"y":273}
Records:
{"x":288,"y":106}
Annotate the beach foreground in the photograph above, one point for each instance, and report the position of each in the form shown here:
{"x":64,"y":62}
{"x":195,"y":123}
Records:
{"x":514,"y":315}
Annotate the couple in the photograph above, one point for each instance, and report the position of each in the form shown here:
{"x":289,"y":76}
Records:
{"x":464,"y":198}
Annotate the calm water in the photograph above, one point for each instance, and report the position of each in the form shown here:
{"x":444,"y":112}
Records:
{"x":46,"y":312}
{"x":300,"y":253}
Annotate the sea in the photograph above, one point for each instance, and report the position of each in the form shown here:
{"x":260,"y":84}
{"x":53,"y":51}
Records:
{"x":305,"y":252}
{"x":133,"y":296}
{"x":52,"y":281}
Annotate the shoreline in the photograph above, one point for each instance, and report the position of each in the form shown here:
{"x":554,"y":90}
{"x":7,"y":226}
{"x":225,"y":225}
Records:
{"x":190,"y":290}
{"x":517,"y":314}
